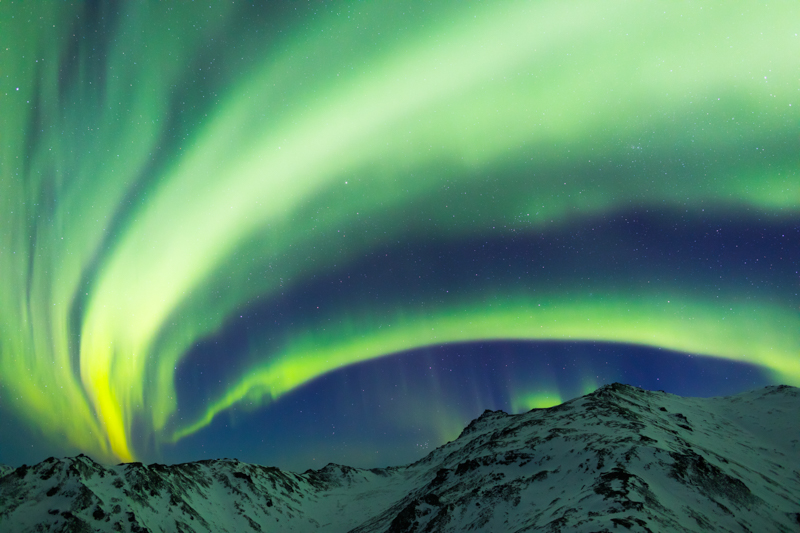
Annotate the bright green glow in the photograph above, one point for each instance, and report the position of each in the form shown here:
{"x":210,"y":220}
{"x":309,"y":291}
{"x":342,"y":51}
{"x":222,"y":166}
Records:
{"x":535,"y":400}
{"x":448,"y":97}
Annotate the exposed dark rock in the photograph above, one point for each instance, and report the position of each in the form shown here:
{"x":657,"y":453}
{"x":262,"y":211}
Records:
{"x":616,"y":459}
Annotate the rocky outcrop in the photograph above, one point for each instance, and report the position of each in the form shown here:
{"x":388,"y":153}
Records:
{"x":619,"y":458}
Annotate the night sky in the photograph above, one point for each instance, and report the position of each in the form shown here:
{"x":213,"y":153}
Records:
{"x":302,"y":232}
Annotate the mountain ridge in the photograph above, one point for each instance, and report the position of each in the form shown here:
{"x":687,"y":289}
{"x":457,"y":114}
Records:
{"x":620,"y":456}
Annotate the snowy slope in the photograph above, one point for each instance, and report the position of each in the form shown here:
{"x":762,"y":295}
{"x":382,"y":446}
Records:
{"x":4,"y":469}
{"x":648,"y":461}
{"x":621,"y":456}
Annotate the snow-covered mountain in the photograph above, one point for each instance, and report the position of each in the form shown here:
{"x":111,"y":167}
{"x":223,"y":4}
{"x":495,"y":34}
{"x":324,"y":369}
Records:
{"x":621,"y":456}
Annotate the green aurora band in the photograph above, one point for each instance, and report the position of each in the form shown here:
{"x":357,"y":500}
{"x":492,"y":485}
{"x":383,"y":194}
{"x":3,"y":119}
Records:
{"x":154,"y":182}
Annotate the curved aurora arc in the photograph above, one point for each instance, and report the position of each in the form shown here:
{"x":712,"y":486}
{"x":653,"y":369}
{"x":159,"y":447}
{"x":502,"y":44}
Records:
{"x":156,"y":180}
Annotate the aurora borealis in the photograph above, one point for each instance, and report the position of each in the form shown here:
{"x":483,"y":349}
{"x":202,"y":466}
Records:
{"x":213,"y":215}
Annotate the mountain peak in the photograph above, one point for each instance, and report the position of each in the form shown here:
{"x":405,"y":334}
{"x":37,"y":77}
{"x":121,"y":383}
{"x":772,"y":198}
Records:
{"x":618,"y":456}
{"x":621,"y":388}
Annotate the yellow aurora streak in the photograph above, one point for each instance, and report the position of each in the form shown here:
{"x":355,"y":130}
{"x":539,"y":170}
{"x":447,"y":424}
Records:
{"x":358,"y":104}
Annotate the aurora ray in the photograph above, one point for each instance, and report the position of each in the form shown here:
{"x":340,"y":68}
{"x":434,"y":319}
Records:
{"x":165,"y":169}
